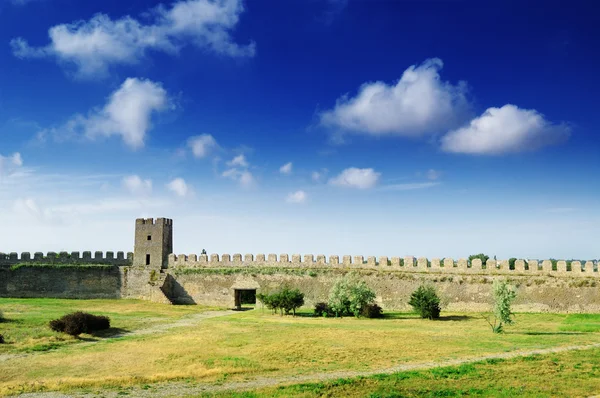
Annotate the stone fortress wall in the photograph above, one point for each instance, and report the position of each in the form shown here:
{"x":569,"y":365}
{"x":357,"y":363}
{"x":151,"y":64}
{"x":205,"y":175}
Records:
{"x":98,"y":257}
{"x":406,"y":264}
{"x":153,"y":272}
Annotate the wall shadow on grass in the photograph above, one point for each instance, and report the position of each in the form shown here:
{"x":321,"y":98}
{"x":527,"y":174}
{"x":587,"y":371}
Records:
{"x":10,"y":320}
{"x":111,"y":333}
{"x":455,"y":318}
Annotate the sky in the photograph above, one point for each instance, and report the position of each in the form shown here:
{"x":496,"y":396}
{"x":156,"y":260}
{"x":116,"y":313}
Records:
{"x":384,"y":128}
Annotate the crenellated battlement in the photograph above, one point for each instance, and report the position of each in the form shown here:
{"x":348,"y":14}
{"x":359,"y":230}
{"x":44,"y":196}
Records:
{"x":86,"y":257}
{"x":397,"y":264}
{"x":153,"y":272}
{"x":151,"y":221}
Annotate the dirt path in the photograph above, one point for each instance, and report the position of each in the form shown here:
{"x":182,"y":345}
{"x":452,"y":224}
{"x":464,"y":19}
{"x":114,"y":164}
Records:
{"x":177,"y":389}
{"x":155,"y":329}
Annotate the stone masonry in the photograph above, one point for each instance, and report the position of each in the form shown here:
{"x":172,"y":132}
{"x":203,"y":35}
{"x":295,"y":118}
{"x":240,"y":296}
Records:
{"x":153,"y":272}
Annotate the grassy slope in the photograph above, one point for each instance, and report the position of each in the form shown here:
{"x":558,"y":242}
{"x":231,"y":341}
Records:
{"x":256,"y":343}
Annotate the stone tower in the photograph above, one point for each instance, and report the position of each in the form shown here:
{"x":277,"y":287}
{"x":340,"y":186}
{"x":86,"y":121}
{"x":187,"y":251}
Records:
{"x":153,"y":242}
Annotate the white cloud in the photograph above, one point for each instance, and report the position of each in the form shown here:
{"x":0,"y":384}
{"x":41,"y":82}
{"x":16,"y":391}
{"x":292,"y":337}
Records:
{"x":247,"y":179}
{"x":239,"y":172}
{"x":419,"y":103}
{"x":243,"y":177}
{"x":231,"y":173}
{"x":433,"y":174}
{"x":202,"y":145}
{"x":127,"y":113}
{"x":317,"y":176}
{"x":178,"y":186}
{"x":239,"y":160}
{"x":356,"y":178}
{"x":10,"y":164}
{"x":297,"y":197}
{"x":286,"y":168}
{"x":135,"y":185}
{"x":29,"y":207}
{"x":93,"y":46}
{"x":505,"y":130}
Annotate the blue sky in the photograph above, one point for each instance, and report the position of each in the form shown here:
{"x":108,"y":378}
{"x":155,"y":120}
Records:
{"x":436,"y":129}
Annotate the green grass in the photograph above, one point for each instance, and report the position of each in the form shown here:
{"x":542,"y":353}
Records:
{"x":257,"y":344}
{"x":581,"y":323}
{"x":569,"y":374}
{"x":61,"y":266}
{"x":25,"y":327}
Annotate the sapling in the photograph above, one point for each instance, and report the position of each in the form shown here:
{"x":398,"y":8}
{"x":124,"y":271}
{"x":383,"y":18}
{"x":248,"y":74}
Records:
{"x":504,"y":295}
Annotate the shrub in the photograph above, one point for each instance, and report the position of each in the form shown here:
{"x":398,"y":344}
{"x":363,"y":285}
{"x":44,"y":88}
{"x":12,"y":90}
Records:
{"x":349,"y":295}
{"x":80,"y":322}
{"x":481,"y":256}
{"x":504,"y":295}
{"x":425,"y":302}
{"x":287,"y":300}
{"x":372,"y":311}
{"x":2,"y":339}
{"x":322,"y":309}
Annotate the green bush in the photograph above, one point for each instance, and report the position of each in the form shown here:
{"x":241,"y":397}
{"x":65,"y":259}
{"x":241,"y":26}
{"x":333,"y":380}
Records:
{"x":425,"y":302}
{"x":349,"y":296}
{"x":322,"y":309}
{"x":286,"y":300}
{"x":481,"y":256}
{"x":372,"y":311}
{"x":80,"y":322}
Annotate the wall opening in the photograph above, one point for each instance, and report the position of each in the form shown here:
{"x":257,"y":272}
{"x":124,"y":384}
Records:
{"x":245,"y":297}
{"x":147,"y":259}
{"x":149,"y":237}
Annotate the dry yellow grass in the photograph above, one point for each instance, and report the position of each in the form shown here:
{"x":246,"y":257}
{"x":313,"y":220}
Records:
{"x":256,"y":343}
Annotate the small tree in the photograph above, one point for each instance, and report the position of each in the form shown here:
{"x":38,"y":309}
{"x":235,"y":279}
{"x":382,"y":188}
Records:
{"x":291,"y":299}
{"x":480,"y":256}
{"x":269,"y":301}
{"x":288,"y":300}
{"x":504,"y":295}
{"x":203,"y":251}
{"x":349,"y":296}
{"x":425,"y":302}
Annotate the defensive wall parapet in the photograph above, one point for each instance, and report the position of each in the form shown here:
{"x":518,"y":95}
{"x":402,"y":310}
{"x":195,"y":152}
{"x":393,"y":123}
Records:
{"x":86,"y":257}
{"x":406,"y":264}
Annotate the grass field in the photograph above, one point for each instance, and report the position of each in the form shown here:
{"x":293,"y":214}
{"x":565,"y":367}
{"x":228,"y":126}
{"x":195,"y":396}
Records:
{"x":571,"y":374}
{"x":255,"y":343}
